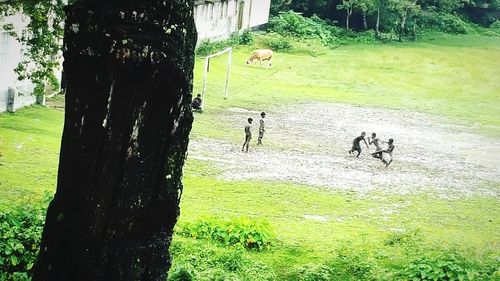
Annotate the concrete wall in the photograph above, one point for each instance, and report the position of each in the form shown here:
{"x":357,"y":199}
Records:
{"x":11,"y":53}
{"x":217,"y":19}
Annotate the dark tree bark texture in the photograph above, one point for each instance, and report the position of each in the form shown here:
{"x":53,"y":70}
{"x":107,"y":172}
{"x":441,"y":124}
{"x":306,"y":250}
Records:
{"x":128,"y":68}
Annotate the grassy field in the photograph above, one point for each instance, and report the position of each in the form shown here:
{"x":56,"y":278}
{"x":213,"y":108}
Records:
{"x":456,"y":78}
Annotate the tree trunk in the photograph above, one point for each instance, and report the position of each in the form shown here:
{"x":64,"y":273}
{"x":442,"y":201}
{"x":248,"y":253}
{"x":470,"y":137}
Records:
{"x":128,"y":68}
{"x":414,"y":30}
{"x":365,"y":24}
{"x":348,"y":11}
{"x":402,"y":27}
{"x":377,"y":25}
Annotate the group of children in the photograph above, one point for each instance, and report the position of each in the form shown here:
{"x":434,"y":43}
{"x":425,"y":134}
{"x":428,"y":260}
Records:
{"x":383,"y":154}
{"x":248,"y":132}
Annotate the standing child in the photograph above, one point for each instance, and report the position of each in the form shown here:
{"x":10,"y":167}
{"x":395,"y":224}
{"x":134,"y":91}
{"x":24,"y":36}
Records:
{"x":248,"y":135}
{"x":262,"y":128}
{"x":356,"y":146}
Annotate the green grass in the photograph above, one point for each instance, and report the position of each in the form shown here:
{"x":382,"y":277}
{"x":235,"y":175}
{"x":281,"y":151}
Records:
{"x":456,"y":78}
{"x":29,"y":142}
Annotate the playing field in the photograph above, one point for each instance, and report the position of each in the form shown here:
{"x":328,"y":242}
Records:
{"x":439,"y":100}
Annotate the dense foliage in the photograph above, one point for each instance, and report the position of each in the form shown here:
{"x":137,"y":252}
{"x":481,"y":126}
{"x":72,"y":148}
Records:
{"x":403,"y":17}
{"x":42,"y":39}
{"x":20,"y":233}
{"x":249,"y":233}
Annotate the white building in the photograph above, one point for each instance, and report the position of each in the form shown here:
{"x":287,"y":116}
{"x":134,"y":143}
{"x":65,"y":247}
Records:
{"x":215,"y":20}
{"x":14,"y":94}
{"x":218,"y":19}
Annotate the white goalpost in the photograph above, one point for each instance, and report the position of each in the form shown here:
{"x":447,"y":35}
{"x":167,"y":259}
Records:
{"x":206,"y":70}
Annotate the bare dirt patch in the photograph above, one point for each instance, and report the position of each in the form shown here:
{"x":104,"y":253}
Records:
{"x":307,"y":144}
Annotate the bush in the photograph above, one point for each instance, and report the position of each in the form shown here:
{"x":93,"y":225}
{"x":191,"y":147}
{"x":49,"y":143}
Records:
{"x":244,"y":38}
{"x":447,"y":266}
{"x":205,"y":261}
{"x":295,"y":25}
{"x":20,"y":234}
{"x":182,"y":273}
{"x":278,"y":43}
{"x":251,"y":234}
{"x":495,"y":26}
{"x":209,"y":47}
{"x":444,"y":22}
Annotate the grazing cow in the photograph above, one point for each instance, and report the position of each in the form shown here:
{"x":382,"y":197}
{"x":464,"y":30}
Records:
{"x":260,"y":55}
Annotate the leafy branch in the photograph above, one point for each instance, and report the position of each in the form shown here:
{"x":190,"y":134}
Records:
{"x":41,"y":39}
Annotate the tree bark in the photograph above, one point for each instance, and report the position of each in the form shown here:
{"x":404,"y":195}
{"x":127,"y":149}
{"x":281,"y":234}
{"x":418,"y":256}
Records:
{"x":377,"y":25}
{"x":128,"y":68}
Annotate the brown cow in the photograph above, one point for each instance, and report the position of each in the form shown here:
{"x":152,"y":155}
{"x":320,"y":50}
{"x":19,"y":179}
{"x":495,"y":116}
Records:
{"x":261,"y":55}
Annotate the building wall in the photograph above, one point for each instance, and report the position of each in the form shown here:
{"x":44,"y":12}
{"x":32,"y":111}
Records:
{"x":218,"y":19}
{"x":11,"y":53}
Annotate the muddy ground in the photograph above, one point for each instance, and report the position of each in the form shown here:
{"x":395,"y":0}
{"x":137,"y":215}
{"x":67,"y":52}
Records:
{"x":307,"y":144}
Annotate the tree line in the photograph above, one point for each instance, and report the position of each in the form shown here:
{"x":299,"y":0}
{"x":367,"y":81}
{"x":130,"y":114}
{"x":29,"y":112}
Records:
{"x":399,"y":16}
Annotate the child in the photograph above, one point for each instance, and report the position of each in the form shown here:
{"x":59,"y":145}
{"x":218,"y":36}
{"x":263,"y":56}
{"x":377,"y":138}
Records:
{"x":196,"y":104}
{"x":356,"y":146}
{"x":375,"y":141}
{"x":248,"y":135}
{"x":261,"y":128}
{"x":386,"y":152}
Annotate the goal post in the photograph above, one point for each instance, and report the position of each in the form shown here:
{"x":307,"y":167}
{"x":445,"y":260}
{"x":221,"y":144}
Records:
{"x":206,"y":70}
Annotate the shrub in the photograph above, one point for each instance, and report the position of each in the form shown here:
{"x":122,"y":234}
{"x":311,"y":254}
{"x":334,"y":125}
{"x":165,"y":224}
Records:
{"x":251,"y":234}
{"x":444,"y":22}
{"x":278,"y":43}
{"x":182,"y":273}
{"x":20,"y":234}
{"x":295,"y":25}
{"x":495,"y":26}
{"x":244,"y":38}
{"x":206,"y":261}
{"x":209,"y":47}
{"x":447,"y":266}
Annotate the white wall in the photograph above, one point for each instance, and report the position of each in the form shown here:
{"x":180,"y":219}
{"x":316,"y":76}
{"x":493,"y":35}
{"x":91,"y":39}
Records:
{"x":256,"y":12}
{"x":217,"y":20}
{"x":11,"y":53}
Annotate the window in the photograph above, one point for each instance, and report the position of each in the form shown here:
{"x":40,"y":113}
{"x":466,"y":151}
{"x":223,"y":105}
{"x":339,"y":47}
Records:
{"x":4,"y":47}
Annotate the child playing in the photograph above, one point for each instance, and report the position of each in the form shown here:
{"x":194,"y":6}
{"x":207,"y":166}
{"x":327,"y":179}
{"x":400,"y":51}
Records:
{"x":356,"y":146}
{"x":248,"y":134}
{"x":261,"y":128}
{"x":386,"y":152}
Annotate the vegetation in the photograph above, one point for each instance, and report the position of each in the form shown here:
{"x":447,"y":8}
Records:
{"x":425,"y":236}
{"x":42,"y":40}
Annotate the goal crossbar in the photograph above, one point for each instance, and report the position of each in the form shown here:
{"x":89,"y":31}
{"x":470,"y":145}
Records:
{"x":205,"y":72}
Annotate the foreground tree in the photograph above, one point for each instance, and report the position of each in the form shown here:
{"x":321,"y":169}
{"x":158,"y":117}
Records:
{"x":128,"y":67}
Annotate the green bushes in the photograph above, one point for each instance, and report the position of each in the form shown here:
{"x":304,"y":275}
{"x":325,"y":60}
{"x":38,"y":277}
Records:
{"x":20,"y":233}
{"x":198,"y":260}
{"x":250,"y":234}
{"x":295,"y":25}
{"x":209,"y":47}
{"x":448,"y":266}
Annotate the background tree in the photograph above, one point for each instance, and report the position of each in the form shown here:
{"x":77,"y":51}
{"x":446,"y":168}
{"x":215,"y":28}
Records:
{"x":129,"y":68}
{"x":348,"y":6}
{"x":404,"y":9}
{"x":366,"y":7}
